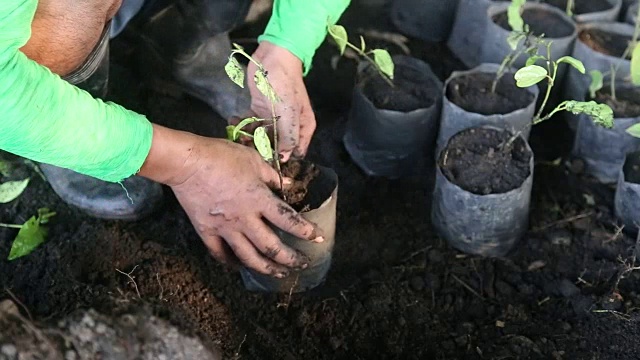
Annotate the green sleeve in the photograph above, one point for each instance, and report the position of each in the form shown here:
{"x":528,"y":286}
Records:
{"x":46,"y":119}
{"x":300,"y":26}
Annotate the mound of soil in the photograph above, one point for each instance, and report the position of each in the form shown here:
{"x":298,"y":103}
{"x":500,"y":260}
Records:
{"x":407,"y":94}
{"x":626,"y":103}
{"x":481,"y":162}
{"x":582,"y":6}
{"x":605,"y":42}
{"x":540,"y":22}
{"x":472,"y":92}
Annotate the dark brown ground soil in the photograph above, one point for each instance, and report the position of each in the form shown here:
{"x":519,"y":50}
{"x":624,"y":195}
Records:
{"x":605,"y":42}
{"x":582,"y":6}
{"x":625,"y":105}
{"x":482,"y":162}
{"x":540,"y":22}
{"x":406,"y":95}
{"x":395,"y":291}
{"x":473,"y":93}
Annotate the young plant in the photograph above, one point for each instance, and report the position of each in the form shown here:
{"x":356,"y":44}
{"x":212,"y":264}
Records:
{"x":32,"y":233}
{"x":532,"y":74}
{"x":260,"y":135}
{"x":570,"y":7}
{"x":379,"y":58}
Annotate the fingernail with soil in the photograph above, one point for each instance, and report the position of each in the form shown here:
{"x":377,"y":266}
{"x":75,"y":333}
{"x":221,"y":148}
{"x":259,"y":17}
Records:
{"x":319,"y":239}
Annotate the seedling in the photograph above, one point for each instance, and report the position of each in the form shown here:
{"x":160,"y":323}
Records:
{"x":260,"y":135}
{"x":32,"y":233}
{"x":570,"y":7}
{"x":379,"y":58}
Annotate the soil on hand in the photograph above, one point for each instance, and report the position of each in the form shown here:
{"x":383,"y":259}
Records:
{"x":302,"y":173}
{"x":472,"y":92}
{"x":410,"y":91}
{"x":582,"y":6}
{"x":481,"y":161}
{"x":605,"y":42}
{"x":626,"y":103}
{"x":541,"y":22}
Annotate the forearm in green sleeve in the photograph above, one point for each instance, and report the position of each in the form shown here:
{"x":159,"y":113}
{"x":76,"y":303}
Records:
{"x":45,"y":119}
{"x":300,"y":26}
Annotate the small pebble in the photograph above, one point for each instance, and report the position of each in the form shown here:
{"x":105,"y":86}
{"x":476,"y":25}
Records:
{"x":9,"y":350}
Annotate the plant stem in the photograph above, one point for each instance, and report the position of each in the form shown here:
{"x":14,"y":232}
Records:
{"x":552,"y":70}
{"x":11,"y":226}
{"x":570,"y":7}
{"x":613,"y":82}
{"x":369,"y":59}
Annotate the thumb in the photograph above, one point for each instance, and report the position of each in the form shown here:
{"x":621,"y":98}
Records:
{"x":272,"y":178}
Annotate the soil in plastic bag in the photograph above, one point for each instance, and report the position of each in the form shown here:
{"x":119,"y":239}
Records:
{"x":476,"y":161}
{"x":625,"y":105}
{"x":540,"y":22}
{"x":472,"y":92}
{"x":632,"y":170}
{"x":302,"y":173}
{"x":582,"y":6}
{"x":605,"y":42}
{"x":406,"y":95}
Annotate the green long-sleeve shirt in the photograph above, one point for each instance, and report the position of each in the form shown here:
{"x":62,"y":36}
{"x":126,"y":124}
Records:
{"x":45,"y":119}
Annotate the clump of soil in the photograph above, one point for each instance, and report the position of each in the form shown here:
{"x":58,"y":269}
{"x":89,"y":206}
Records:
{"x":626,"y":103}
{"x":605,"y":42}
{"x":582,"y":6}
{"x":478,"y":161}
{"x":302,"y":173}
{"x":411,"y":91}
{"x":541,"y":22}
{"x":472,"y":92}
{"x":632,"y":168}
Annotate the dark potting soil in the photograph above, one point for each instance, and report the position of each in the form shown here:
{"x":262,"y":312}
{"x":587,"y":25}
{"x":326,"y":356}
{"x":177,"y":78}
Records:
{"x":632,"y":168}
{"x":472,"y":92}
{"x":302,"y":173}
{"x":582,"y":6}
{"x":625,"y":105}
{"x":395,"y":290}
{"x":604,"y":42}
{"x":407,"y":94}
{"x":540,"y":22}
{"x":476,"y":161}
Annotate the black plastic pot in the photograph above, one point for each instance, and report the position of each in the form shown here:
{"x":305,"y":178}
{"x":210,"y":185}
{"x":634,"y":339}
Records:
{"x":385,"y":142}
{"x":627,"y":198}
{"x":609,"y":12}
{"x":626,"y":6}
{"x":483,"y":224}
{"x":455,"y":117}
{"x":559,"y":28}
{"x":468,"y":30}
{"x":604,"y":150}
{"x":577,"y":84}
{"x":322,"y":197}
{"x":428,"y":20}
{"x":631,"y":14}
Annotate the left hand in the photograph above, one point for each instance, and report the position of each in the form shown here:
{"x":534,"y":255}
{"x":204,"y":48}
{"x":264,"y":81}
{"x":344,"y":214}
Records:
{"x":296,"y":122}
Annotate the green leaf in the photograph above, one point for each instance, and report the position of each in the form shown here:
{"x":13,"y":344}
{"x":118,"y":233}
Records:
{"x":339,"y":35}
{"x":601,"y":114}
{"x":534,"y":59}
{"x":363,"y":46}
{"x":263,"y":144}
{"x":384,"y":62}
{"x":597,"y":81}
{"x":514,"y":14}
{"x":634,"y":130}
{"x":577,"y":64}
{"x":31,"y":234}
{"x":530,"y":75}
{"x":242,"y":125}
{"x":635,"y":65}
{"x":263,"y":84}
{"x":237,"y":47}
{"x":514,"y":39}
{"x":5,"y":168}
{"x":10,"y":190}
{"x":235,"y":71}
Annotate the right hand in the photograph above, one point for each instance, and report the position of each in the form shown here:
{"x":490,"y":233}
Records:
{"x":225,"y":189}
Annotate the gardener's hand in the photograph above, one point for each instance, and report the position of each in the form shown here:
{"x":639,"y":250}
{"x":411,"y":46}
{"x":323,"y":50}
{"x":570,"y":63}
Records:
{"x":225,"y":190}
{"x":297,"y":121}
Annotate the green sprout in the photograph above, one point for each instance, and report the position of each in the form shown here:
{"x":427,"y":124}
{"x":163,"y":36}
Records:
{"x":32,"y":233}
{"x":379,"y":58}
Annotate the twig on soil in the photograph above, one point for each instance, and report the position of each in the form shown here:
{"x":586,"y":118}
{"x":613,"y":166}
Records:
{"x":286,"y":304}
{"x":563,"y":221}
{"x":543,"y":301}
{"x":628,"y":268}
{"x":15,"y":298}
{"x":131,"y":278}
{"x":617,"y":314}
{"x":467,"y":286}
{"x":236,"y":355}
{"x":416,"y":253}
{"x":160,"y":297}
{"x":616,"y":235}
